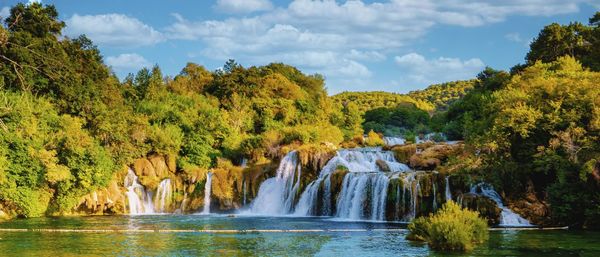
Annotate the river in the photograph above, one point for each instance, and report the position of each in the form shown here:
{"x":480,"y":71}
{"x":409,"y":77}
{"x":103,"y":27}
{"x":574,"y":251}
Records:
{"x":202,"y":235}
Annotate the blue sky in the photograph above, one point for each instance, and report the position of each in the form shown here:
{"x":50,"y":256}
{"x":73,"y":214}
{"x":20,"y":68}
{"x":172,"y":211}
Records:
{"x":393,"y":45}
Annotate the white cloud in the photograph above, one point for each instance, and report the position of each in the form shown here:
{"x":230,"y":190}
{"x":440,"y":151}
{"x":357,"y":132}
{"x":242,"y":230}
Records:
{"x":34,"y":1}
{"x":515,"y":37}
{"x":365,"y":55}
{"x":354,"y":30}
{"x":129,"y":61}
{"x":4,"y":12}
{"x":421,"y":71}
{"x":113,"y":29}
{"x":243,"y":6}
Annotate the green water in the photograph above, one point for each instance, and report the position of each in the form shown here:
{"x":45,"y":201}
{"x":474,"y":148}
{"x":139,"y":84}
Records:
{"x":360,"y":239}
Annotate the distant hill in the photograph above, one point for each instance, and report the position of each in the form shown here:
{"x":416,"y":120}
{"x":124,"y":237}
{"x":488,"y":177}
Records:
{"x":371,"y":100}
{"x":442,"y":95}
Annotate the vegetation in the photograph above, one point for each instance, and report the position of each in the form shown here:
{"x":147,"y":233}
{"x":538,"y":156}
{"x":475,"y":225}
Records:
{"x":451,"y":228}
{"x":371,"y":100}
{"x":68,"y":126}
{"x":443,"y":95}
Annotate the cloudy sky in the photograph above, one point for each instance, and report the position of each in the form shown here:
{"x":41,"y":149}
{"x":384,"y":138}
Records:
{"x":394,"y":45}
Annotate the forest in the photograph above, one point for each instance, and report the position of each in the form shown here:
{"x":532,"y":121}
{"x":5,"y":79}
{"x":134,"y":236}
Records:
{"x":69,"y":126}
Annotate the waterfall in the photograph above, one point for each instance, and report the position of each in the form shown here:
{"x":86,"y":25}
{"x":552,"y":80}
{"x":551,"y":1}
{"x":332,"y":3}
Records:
{"x":364,"y":188}
{"x":361,"y":191}
{"x":391,"y":141}
{"x":508,"y":217}
{"x":140,"y":200}
{"x":434,"y":187}
{"x":276,"y":195}
{"x":207,"y":191}
{"x":244,"y":192}
{"x":245,"y":183}
{"x":363,"y":160}
{"x":164,"y":194}
{"x":448,"y":192}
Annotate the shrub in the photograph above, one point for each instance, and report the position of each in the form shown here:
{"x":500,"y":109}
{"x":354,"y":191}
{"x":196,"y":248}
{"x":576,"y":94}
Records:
{"x":451,"y":229}
{"x":373,"y":139}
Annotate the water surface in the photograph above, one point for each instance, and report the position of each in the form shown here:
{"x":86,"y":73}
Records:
{"x":174,"y":235}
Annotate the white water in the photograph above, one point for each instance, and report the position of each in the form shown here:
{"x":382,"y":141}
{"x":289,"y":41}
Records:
{"x":363,"y":160}
{"x":276,"y":195}
{"x":140,"y":200}
{"x":391,"y":141}
{"x":361,"y":190}
{"x":364,"y":189}
{"x":448,"y":192}
{"x":164,"y":193}
{"x":207,"y":192}
{"x":508,"y":217}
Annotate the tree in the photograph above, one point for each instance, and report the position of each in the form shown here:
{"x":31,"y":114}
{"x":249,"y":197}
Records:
{"x":575,"y":39}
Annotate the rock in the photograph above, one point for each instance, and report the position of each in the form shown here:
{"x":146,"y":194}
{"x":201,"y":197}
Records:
{"x":402,"y":153}
{"x":110,"y":200}
{"x":383,"y":166}
{"x":485,"y":206}
{"x":160,"y":166}
{"x":432,"y":155}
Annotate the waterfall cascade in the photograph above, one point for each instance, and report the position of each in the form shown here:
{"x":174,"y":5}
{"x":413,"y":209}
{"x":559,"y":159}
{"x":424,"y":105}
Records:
{"x":362,"y":184}
{"x":140,"y":200}
{"x":207,"y":193}
{"x":164,"y":192}
{"x":390,"y":141}
{"x":363,"y":193}
{"x":508,"y":217}
{"x":276,"y":196}
{"x":363,"y":196}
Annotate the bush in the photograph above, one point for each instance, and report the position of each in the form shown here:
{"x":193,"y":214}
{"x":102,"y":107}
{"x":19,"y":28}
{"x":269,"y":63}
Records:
{"x":451,"y":229}
{"x":373,"y":139}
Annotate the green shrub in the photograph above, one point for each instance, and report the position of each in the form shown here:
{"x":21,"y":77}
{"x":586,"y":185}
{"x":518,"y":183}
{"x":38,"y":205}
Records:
{"x":451,"y":229}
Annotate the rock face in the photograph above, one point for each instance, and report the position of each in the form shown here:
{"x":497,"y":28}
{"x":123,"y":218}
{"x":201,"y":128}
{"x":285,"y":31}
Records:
{"x":425,"y":156}
{"x":163,"y":188}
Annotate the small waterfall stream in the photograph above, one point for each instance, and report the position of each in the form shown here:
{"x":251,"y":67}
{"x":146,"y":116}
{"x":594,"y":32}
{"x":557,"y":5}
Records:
{"x":276,"y":195}
{"x":140,"y":200}
{"x":207,"y":193}
{"x":448,"y":193}
{"x":508,"y":217}
{"x":164,"y":192}
{"x":391,"y":141}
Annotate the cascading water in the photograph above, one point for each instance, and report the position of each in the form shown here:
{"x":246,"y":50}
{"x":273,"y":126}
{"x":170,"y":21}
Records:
{"x":508,"y":217}
{"x":164,"y":194}
{"x":391,"y":141}
{"x":363,"y":196}
{"x":276,"y":195}
{"x":244,"y":192}
{"x":364,"y":188}
{"x":448,"y":193}
{"x":140,"y":200}
{"x":207,"y":192}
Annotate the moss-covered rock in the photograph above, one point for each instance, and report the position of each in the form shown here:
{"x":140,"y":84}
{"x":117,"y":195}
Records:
{"x":486,"y":207}
{"x":402,"y":153}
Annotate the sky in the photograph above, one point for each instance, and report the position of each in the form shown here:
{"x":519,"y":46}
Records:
{"x":368,"y":45}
